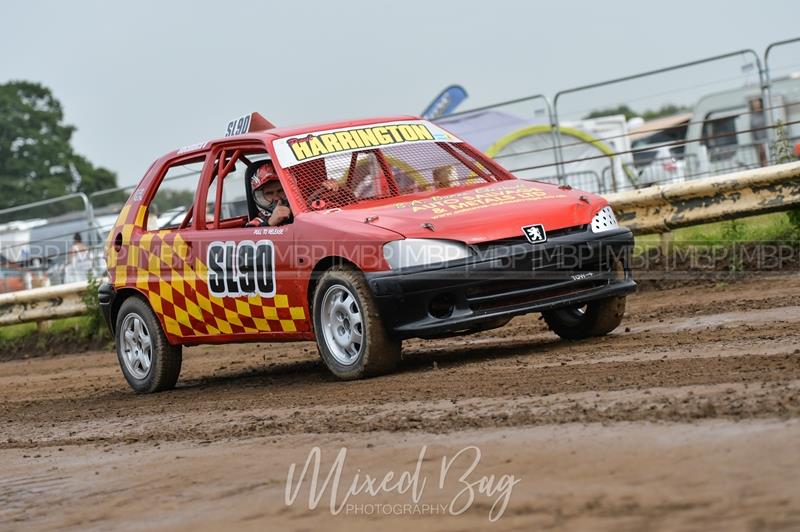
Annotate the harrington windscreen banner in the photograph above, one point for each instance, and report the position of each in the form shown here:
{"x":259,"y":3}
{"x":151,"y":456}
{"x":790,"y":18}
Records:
{"x":299,"y":149}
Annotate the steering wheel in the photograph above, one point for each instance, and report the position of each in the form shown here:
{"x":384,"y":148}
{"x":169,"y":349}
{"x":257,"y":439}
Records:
{"x":330,"y":194}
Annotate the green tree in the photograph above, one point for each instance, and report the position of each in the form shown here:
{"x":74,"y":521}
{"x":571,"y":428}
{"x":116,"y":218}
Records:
{"x":92,"y":178}
{"x":167,"y":199}
{"x":37,"y":160}
{"x":649,"y":114}
{"x":665,"y":110}
{"x":619,"y":110}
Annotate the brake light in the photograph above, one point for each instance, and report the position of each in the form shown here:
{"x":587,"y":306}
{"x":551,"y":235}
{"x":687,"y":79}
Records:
{"x":797,"y":150}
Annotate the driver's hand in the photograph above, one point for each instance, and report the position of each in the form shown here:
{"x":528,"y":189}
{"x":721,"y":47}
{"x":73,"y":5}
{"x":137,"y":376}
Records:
{"x":279,"y":215}
{"x":330,"y":185}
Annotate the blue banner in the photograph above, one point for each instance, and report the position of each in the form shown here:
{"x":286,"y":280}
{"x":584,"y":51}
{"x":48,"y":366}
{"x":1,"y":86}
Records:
{"x":445,"y":103}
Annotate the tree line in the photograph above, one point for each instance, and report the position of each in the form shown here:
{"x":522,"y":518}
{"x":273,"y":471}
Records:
{"x":649,"y":114}
{"x":37,"y":160}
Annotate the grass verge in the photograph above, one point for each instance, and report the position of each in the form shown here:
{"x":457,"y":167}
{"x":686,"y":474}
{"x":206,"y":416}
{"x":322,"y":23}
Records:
{"x":765,"y":228}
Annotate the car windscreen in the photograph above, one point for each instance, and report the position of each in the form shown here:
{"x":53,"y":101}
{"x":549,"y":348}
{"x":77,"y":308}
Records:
{"x":349,"y":178}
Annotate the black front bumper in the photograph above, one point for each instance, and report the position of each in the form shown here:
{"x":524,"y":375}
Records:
{"x":504,"y":279}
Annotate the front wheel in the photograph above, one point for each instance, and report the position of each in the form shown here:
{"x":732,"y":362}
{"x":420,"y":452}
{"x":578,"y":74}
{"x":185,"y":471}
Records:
{"x":149,"y":363}
{"x":350,"y":334}
{"x":595,"y":318}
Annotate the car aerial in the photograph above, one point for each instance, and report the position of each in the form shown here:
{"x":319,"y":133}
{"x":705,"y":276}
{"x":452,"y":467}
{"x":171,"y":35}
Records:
{"x":399,"y":229}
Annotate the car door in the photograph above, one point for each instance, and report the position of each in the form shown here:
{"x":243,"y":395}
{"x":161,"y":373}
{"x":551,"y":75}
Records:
{"x":241,"y":281}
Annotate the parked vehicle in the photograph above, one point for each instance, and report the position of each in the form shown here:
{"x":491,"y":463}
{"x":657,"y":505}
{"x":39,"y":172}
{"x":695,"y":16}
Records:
{"x":729,"y":130}
{"x":659,"y":165}
{"x":12,"y":277}
{"x":50,"y":246}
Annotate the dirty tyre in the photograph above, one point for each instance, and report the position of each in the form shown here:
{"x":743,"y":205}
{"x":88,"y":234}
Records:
{"x":350,"y":335}
{"x":596,"y":318}
{"x":150,"y":364}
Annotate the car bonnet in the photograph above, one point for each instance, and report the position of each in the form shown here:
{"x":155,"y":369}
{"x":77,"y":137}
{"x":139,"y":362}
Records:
{"x":481,"y":213}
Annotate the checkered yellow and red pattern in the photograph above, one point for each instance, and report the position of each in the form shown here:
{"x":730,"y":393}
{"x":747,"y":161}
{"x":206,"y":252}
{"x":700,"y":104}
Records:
{"x":174,"y":280}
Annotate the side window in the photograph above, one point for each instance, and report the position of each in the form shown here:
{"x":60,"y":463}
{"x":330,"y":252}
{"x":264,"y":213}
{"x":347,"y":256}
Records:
{"x":237,"y":167}
{"x":719,"y":136}
{"x":175,"y":195}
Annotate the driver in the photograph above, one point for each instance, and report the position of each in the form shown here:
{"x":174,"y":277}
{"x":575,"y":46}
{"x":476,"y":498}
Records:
{"x":270,"y":198}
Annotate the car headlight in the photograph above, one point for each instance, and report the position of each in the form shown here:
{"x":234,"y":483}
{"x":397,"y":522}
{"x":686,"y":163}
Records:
{"x":604,"y":220}
{"x":423,"y":251}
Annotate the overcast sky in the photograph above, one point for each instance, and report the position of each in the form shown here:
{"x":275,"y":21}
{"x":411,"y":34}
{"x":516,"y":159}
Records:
{"x":141,"y":78}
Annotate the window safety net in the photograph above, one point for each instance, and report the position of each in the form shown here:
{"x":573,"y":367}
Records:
{"x":344,"y":179}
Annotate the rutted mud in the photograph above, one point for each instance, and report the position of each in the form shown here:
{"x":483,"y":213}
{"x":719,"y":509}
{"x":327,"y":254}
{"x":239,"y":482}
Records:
{"x":688,"y":369}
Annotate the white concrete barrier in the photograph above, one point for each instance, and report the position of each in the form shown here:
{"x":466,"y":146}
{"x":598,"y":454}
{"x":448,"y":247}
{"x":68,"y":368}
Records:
{"x":41,"y":304}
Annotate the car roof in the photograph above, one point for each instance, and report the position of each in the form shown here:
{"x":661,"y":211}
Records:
{"x":289,"y":131}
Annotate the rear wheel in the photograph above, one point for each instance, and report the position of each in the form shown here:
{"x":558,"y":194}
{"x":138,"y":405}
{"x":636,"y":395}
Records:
{"x":149,"y":363}
{"x":595,"y":318}
{"x":351,"y":337}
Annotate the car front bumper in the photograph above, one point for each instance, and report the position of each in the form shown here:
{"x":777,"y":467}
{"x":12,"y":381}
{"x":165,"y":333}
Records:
{"x":504,"y":279}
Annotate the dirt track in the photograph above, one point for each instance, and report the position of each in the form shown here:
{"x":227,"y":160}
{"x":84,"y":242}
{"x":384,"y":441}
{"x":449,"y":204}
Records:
{"x":688,"y":416}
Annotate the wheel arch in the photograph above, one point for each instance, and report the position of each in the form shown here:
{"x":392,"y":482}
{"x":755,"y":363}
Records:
{"x":320,"y":268}
{"x":122,"y":295}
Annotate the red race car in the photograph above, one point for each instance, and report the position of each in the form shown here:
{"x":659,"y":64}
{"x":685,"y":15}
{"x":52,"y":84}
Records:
{"x":357,"y":235}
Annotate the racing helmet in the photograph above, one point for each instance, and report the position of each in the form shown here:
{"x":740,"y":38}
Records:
{"x":264,"y":174}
